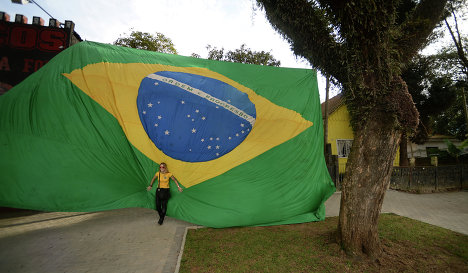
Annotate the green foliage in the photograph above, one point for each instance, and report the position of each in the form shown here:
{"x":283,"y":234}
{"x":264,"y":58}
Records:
{"x":147,"y":41}
{"x":362,"y":44}
{"x":455,"y":151}
{"x":452,"y":121}
{"x":449,"y":62}
{"x":432,"y":90}
{"x":242,"y":55}
{"x":452,"y":61}
{"x":459,"y":42}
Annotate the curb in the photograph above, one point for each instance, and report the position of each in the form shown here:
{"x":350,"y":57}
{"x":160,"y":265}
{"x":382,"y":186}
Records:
{"x":182,"y":246}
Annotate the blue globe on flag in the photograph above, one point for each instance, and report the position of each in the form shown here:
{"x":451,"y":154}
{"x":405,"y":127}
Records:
{"x":193,"y":118}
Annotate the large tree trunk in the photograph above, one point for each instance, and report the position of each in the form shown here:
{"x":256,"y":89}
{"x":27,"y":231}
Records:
{"x":369,"y":169}
{"x":367,"y":178}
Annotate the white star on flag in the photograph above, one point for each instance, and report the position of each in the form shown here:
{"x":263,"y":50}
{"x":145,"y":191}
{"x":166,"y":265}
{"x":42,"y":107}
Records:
{"x":217,"y":154}
{"x":194,"y":130}
{"x":196,"y":111}
{"x":242,"y":131}
{"x":211,"y":138}
{"x":159,"y":102}
{"x":209,"y":147}
{"x":242,"y":124}
{"x":229,"y":137}
{"x":150,"y":104}
{"x":159,"y":117}
{"x":156,"y":83}
{"x":202,"y":140}
{"x":237,"y":134}
{"x":183,"y":102}
{"x":203,"y":118}
{"x":166,"y":132}
{"x":156,"y":125}
{"x":188,"y":116}
{"x":217,"y":147}
{"x":144,"y":112}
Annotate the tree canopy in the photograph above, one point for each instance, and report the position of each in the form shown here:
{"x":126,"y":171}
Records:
{"x":359,"y":43}
{"x":144,"y":40}
{"x":243,"y":55}
{"x":364,"y":45}
{"x":432,"y":90}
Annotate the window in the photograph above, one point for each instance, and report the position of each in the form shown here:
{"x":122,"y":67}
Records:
{"x":344,"y":147}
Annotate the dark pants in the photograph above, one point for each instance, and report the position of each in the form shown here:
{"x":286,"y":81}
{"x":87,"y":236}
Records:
{"x":162,"y":196}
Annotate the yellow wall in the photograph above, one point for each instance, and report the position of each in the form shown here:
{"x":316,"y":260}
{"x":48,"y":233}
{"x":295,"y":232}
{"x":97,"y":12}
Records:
{"x":340,"y":128}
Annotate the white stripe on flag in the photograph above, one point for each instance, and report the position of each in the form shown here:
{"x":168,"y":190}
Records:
{"x":236,"y":111}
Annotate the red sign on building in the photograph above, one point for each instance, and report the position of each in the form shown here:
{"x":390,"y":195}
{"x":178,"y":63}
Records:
{"x":24,"y":48}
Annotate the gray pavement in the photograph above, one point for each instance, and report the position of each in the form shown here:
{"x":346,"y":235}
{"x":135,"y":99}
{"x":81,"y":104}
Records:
{"x":130,"y":240}
{"x":123,"y":240}
{"x":448,"y":210}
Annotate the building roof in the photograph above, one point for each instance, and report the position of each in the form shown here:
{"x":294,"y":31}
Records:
{"x":333,"y":104}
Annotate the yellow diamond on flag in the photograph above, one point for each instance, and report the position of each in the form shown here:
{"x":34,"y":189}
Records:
{"x":115,"y":87}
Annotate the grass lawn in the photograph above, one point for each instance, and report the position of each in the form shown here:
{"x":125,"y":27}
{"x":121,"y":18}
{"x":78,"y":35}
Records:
{"x":408,"y":246}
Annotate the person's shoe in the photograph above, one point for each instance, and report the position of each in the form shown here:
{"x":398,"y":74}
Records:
{"x":160,"y":222}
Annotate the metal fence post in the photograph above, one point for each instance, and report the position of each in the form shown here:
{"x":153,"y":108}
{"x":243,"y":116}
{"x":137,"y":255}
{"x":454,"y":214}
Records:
{"x":461,"y":176}
{"x":410,"y":176}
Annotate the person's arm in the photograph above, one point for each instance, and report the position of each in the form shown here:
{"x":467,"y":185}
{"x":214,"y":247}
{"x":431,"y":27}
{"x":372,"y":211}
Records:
{"x":177,"y":183}
{"x":152,"y":181}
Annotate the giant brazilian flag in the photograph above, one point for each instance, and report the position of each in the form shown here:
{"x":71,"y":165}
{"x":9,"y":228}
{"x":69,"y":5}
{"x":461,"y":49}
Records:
{"x":88,"y":130}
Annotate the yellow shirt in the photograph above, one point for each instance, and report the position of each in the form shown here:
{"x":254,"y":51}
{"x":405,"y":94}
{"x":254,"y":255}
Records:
{"x":164,"y":182}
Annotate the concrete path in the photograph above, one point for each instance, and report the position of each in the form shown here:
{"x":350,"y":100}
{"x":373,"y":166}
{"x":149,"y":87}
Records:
{"x":124,"y":240}
{"x":130,"y":240}
{"x":448,"y":210}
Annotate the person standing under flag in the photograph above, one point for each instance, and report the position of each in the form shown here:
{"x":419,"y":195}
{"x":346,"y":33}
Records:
{"x":162,"y":192}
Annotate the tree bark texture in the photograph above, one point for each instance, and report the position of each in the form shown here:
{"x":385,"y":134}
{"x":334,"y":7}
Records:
{"x":367,"y":178}
{"x":366,"y":59}
{"x":369,"y":169}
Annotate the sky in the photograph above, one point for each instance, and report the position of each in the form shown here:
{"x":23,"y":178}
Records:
{"x":191,"y":25}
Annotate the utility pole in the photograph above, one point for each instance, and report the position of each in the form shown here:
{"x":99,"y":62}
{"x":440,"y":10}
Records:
{"x":325,"y":120}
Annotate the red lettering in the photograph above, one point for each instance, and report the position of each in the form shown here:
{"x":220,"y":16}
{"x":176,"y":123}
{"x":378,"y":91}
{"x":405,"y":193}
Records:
{"x":52,"y":40}
{"x":28,"y":65}
{"x":38,"y":64}
{"x":33,"y":37}
{"x":23,"y":37}
{"x":4,"y":65}
{"x":31,"y":65}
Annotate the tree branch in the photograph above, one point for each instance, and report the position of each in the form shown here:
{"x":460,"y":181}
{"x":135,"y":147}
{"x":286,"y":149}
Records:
{"x":418,"y":27}
{"x":458,"y":43}
{"x":312,"y":38}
